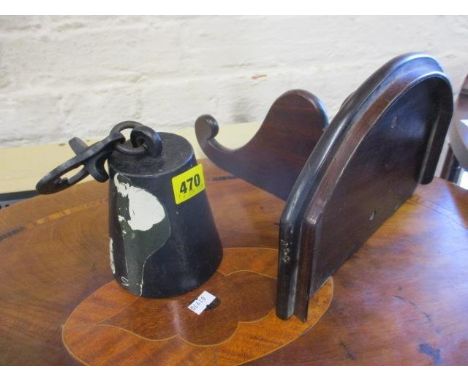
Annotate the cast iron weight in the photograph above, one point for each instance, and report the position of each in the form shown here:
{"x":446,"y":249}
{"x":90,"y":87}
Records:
{"x":162,"y":237}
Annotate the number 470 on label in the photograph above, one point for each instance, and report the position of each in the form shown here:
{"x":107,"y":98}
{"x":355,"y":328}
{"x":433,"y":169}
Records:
{"x":188,"y":184}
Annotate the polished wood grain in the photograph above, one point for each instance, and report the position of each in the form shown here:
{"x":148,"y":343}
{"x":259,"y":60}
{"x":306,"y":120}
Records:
{"x":111,"y":327}
{"x":401,"y":299}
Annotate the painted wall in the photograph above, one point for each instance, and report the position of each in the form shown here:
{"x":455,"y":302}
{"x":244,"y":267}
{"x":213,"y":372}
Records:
{"x":66,"y":76}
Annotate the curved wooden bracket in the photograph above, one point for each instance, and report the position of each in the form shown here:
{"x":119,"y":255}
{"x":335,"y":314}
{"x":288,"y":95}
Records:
{"x":274,"y":157}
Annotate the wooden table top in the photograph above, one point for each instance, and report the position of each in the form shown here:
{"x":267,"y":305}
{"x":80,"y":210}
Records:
{"x":401,"y":299}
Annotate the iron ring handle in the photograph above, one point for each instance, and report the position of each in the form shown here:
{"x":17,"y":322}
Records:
{"x":144,"y":140}
{"x":55,"y":181}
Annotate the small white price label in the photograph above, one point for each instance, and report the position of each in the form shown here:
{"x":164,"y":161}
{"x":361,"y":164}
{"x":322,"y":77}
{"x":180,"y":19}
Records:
{"x":200,"y":304}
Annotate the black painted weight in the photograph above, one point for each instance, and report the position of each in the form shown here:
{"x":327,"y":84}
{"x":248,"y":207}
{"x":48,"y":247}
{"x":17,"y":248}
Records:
{"x":177,"y":248}
{"x":163,"y":240}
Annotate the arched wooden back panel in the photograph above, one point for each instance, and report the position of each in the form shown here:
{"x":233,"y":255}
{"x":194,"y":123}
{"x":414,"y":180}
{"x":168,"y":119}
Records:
{"x":274,"y":157}
{"x":385,"y":139}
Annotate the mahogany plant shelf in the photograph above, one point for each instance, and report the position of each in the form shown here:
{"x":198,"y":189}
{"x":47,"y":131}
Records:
{"x":341,"y":180}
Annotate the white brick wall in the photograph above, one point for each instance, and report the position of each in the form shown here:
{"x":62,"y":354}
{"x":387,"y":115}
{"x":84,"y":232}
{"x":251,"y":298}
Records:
{"x":65,"y":76}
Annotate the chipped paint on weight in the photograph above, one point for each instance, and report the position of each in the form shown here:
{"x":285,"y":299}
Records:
{"x":144,"y":208}
{"x":111,"y":255}
{"x":145,"y":228}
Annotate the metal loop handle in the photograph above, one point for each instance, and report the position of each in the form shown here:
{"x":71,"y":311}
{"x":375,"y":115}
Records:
{"x":91,"y":158}
{"x":144,"y":140}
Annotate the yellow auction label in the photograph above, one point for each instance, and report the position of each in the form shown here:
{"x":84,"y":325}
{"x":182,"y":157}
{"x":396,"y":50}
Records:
{"x":188,"y":184}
